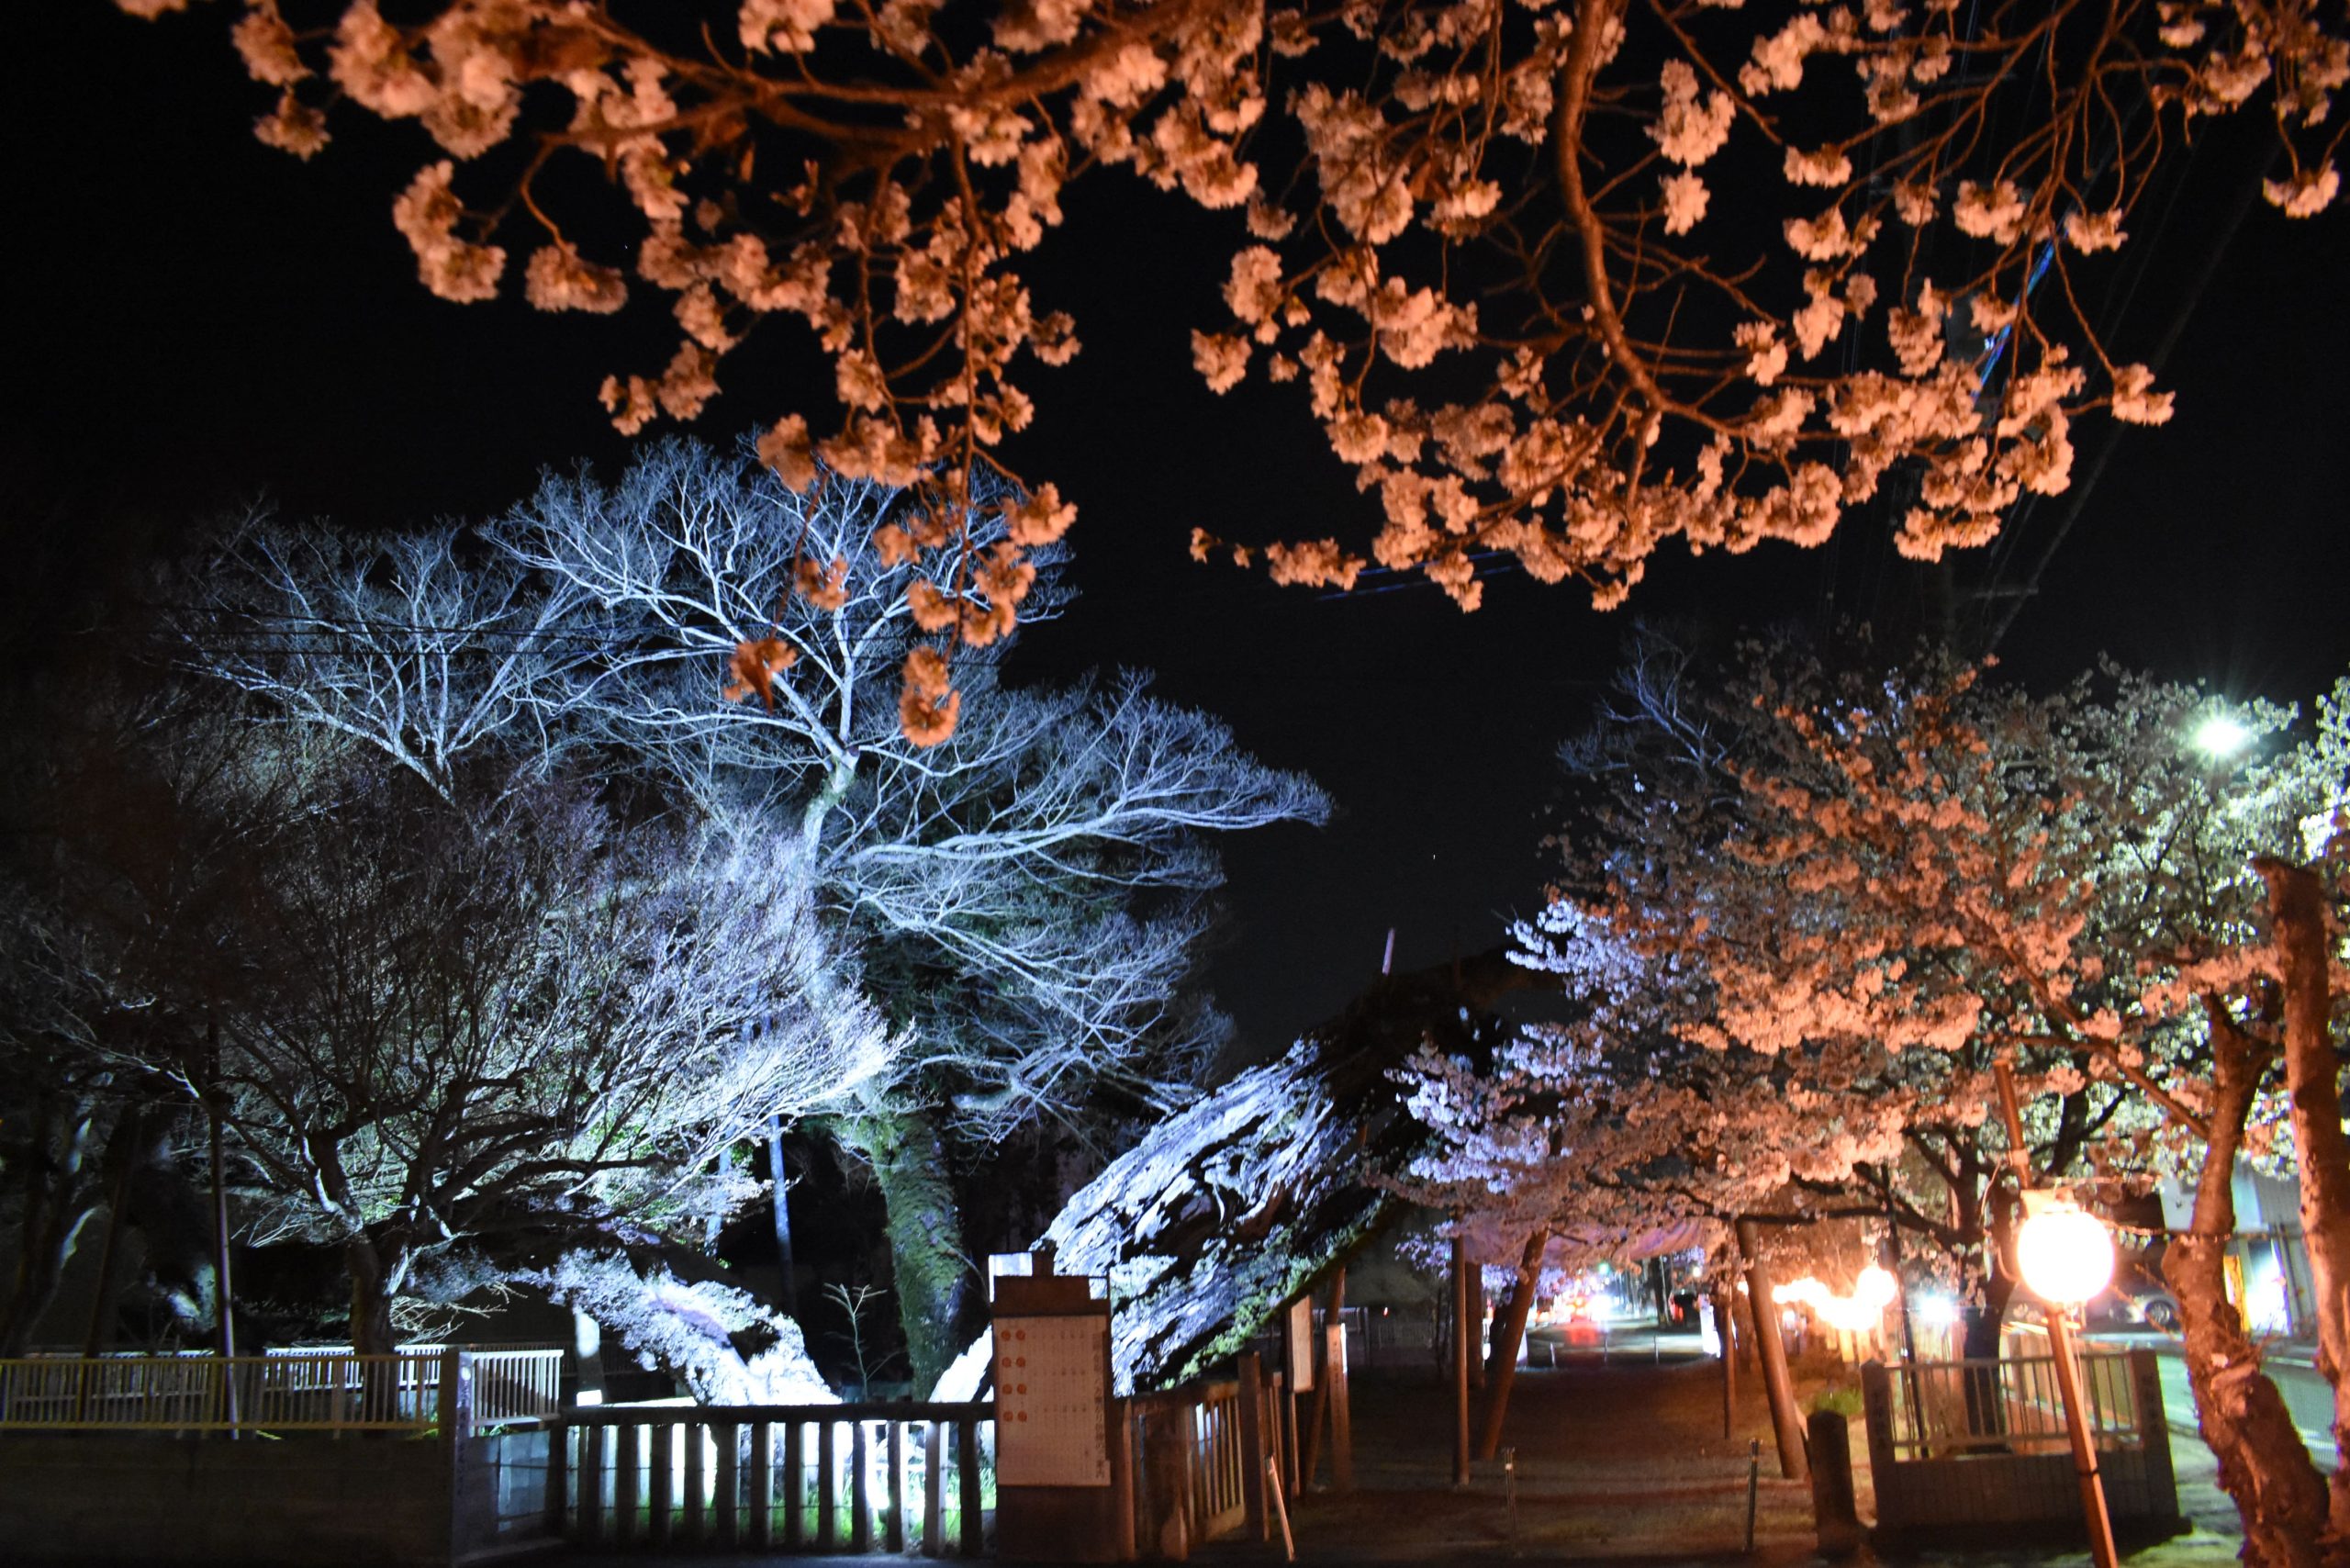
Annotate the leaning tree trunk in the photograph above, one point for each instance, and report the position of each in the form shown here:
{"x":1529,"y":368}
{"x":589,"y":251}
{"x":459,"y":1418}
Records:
{"x":2321,"y":1148}
{"x":1509,"y":1333}
{"x":925,"y":1229}
{"x":2263,"y":1465}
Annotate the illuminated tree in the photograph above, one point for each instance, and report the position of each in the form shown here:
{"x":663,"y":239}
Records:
{"x":508,"y":1024}
{"x":1482,"y":238}
{"x":1026,"y":897}
{"x":1808,"y":917}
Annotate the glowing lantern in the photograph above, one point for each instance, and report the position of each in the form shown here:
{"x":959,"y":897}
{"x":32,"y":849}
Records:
{"x":2066,"y":1254}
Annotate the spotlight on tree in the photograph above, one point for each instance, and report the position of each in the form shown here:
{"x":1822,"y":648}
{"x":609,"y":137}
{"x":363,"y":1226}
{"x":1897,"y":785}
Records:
{"x":2219,"y":737}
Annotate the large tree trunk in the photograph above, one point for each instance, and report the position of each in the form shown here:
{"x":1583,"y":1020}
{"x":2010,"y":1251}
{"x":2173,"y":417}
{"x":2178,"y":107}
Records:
{"x":1509,"y":1332}
{"x":371,"y":1267}
{"x":926,"y":1230}
{"x":2263,"y":1465}
{"x":2322,"y":1150}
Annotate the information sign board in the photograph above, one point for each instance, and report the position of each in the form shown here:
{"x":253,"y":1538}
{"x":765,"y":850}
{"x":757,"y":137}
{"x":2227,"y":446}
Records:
{"x":1052,"y":1377}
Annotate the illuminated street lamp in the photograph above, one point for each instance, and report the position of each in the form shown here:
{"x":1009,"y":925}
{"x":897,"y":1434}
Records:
{"x":2067,"y":1254}
{"x":2065,"y":1257}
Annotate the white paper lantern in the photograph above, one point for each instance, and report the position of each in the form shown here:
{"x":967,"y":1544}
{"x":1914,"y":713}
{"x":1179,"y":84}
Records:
{"x":2066,"y":1255}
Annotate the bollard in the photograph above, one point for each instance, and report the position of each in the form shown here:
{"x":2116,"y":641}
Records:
{"x":1753,"y":1484}
{"x":1509,"y":1487}
{"x":1834,"y":1512}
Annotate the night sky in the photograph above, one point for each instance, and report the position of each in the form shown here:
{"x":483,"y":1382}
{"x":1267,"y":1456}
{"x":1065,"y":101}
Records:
{"x":198,"y":321}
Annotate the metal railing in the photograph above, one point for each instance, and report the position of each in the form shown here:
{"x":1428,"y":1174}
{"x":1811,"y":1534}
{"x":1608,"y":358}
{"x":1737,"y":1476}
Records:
{"x":409,"y":1391}
{"x":2012,"y":1405}
{"x":790,"y":1477}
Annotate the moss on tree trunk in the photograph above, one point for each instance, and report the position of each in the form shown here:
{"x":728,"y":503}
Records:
{"x":924,"y":1225}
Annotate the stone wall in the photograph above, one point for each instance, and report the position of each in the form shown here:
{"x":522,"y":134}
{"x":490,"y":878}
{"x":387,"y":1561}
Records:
{"x":158,"y":1498}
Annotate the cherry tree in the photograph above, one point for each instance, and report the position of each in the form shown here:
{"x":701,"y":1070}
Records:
{"x":1819,"y":910}
{"x":1482,"y":239}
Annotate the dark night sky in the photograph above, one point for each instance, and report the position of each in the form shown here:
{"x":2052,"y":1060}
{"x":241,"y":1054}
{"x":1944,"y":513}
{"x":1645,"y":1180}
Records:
{"x":198,"y":320}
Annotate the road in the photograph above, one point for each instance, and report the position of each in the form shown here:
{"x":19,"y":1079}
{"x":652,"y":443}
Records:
{"x":2306,"y":1393}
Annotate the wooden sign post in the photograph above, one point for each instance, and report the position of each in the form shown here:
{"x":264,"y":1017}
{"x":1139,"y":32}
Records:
{"x":1063,"y":1491}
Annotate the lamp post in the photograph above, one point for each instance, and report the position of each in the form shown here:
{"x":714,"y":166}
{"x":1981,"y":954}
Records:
{"x":2065,"y":1258}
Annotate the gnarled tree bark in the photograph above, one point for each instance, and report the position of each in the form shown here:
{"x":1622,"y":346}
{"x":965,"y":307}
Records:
{"x":2263,"y":1465}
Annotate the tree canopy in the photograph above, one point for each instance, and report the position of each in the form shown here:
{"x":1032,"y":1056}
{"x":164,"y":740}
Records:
{"x":1566,"y":279}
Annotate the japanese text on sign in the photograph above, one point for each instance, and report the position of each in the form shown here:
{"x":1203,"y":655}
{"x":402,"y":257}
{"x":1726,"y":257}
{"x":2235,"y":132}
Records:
{"x":1051,"y":1398}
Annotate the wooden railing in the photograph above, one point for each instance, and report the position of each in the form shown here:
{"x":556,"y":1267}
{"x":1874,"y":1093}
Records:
{"x":1192,"y":1457}
{"x":411,"y":1391}
{"x":823,"y":1478}
{"x":1941,"y":1408}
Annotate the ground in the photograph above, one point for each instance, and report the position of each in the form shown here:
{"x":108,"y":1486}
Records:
{"x":1623,"y":1459}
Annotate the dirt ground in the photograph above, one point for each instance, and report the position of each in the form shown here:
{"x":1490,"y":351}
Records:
{"x":1621,"y":1463}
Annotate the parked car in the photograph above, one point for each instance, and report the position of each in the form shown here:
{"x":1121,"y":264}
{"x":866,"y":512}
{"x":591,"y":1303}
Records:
{"x":2137,"y":1296}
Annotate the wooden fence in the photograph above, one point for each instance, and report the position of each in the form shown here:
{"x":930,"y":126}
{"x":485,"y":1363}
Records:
{"x":411,"y":1391}
{"x":823,"y":1478}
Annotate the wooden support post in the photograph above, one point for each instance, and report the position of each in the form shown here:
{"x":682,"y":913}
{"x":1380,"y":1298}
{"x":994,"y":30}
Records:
{"x":1342,"y":1421}
{"x":1463,"y":1333}
{"x":1477,"y":1327}
{"x":1252,"y":1445}
{"x":1725,"y":1316}
{"x":1509,"y":1333}
{"x":1786,"y":1423}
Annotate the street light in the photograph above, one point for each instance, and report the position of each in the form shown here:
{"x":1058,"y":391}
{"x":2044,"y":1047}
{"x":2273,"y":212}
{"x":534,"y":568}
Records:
{"x":2221,"y":736}
{"x":2066,"y":1254}
{"x":2066,"y":1261}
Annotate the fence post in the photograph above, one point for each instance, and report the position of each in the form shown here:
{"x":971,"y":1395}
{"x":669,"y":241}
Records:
{"x":933,"y":1488}
{"x":727,"y":1487}
{"x":558,"y":1477}
{"x":1252,"y":1445}
{"x":457,"y":1412}
{"x":967,"y":1455}
{"x":895,"y":1531}
{"x":763,"y":1484}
